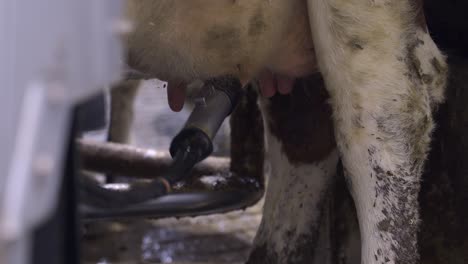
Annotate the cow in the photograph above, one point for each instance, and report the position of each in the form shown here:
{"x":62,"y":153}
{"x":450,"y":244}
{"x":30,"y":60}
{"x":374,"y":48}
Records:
{"x":376,"y":77}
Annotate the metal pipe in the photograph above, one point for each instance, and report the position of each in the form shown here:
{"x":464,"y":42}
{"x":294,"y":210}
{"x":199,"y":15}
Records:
{"x":114,"y":158}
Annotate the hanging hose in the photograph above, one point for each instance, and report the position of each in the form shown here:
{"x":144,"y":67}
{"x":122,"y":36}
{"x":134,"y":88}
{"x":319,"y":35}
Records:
{"x":217,"y":100}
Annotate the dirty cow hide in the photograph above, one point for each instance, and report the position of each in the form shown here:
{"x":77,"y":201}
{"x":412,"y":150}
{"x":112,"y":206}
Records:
{"x":381,"y":77}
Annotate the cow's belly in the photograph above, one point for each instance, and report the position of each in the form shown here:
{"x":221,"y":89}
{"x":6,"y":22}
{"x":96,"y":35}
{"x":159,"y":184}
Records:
{"x":198,"y":39}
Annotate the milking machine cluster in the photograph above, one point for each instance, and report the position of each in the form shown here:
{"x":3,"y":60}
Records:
{"x":215,"y":101}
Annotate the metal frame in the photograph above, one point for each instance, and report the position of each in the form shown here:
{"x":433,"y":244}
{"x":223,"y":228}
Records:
{"x":53,"y":54}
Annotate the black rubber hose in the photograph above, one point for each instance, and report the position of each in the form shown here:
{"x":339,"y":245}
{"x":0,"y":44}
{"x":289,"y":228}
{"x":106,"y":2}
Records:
{"x":138,"y":192}
{"x":178,"y":205}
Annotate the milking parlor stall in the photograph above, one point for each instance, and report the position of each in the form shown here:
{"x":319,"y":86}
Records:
{"x":182,"y":187}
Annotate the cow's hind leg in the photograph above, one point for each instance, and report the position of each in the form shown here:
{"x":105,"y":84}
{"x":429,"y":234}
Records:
{"x":122,"y":97}
{"x":303,"y":159}
{"x":121,"y":111}
{"x":383,"y":73}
